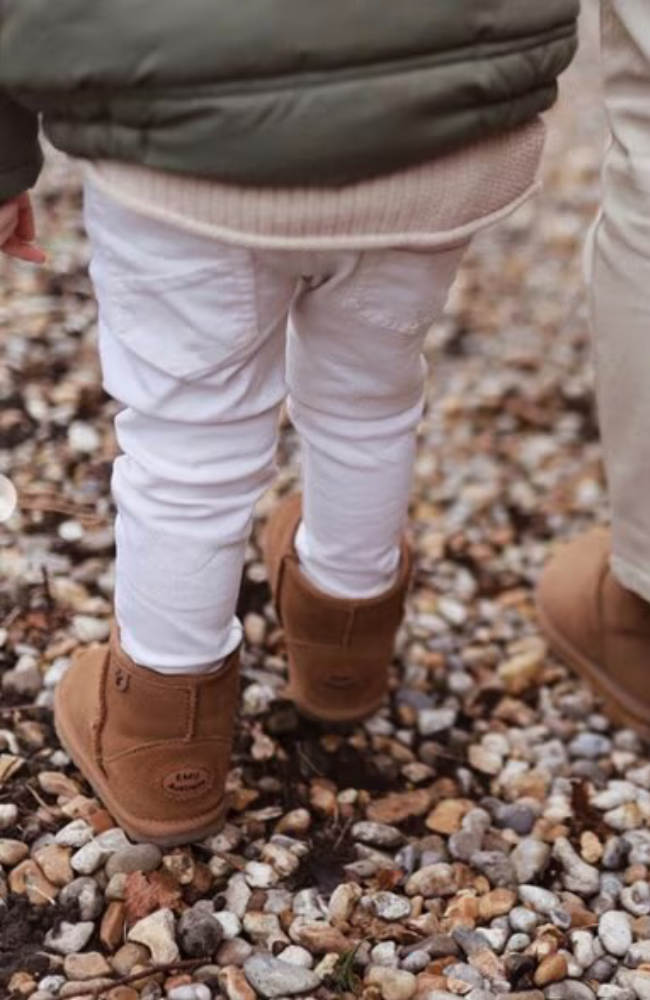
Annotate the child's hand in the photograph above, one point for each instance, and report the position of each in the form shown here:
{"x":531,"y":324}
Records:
{"x":17,"y":231}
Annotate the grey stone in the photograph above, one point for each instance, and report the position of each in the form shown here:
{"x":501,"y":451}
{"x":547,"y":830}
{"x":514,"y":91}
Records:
{"x":541,"y":900}
{"x":523,"y":920}
{"x":432,"y":721}
{"x":377,"y":834}
{"x":69,"y":939}
{"x":615,"y":932}
{"x":570,"y":989}
{"x":496,"y":867}
{"x":193,"y":991}
{"x":271,"y":977}
{"x":86,"y":894}
{"x":578,"y":876}
{"x":529,"y":858}
{"x":199,"y":934}
{"x":590,"y":745}
{"x":416,"y":961}
{"x":390,"y":906}
{"x":134,"y":858}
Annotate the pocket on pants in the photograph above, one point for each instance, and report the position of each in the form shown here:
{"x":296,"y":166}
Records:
{"x":181,"y":303}
{"x":403,"y":291}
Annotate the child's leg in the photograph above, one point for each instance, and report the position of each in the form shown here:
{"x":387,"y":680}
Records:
{"x":201,"y":376}
{"x":356,"y":379}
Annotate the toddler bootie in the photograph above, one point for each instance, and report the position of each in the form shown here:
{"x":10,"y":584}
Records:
{"x":339,"y":649}
{"x":154,"y":747}
{"x":599,"y":628}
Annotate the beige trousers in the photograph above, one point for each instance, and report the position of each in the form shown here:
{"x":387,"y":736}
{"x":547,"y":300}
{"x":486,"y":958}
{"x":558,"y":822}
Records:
{"x":618,"y":260}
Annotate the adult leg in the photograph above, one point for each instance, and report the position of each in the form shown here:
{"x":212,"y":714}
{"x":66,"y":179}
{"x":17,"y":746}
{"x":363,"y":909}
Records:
{"x":594,"y":597}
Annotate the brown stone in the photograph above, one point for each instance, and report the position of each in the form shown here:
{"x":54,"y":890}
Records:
{"x":111,"y":932}
{"x":496,"y":903}
{"x":320,"y":938}
{"x":58,"y":784}
{"x":461,"y":912}
{"x":448,"y":815}
{"x":101,"y":821}
{"x":87,"y":965}
{"x":12,"y":852}
{"x":54,"y":861}
{"x":233,"y":983}
{"x":399,"y":806}
{"x":551,"y":970}
{"x":122,"y":993}
{"x":28,"y":880}
{"x":130,"y":955}
{"x":591,"y":848}
{"x":21,"y":984}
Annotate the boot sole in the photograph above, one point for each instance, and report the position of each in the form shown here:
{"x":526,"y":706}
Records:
{"x":326,"y":719}
{"x":617,"y":702}
{"x":137,"y":833}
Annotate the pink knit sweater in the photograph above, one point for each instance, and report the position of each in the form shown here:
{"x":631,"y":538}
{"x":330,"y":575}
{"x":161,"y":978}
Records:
{"x":441,"y":202}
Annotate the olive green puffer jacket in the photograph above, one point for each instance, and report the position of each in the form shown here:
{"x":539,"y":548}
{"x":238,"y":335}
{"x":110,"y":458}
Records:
{"x":271,"y":92}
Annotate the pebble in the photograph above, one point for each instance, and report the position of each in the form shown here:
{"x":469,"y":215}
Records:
{"x":343,"y":901}
{"x":390,"y":906}
{"x":496,"y":867}
{"x":27,"y":879}
{"x":295,"y":955}
{"x":199,"y":934}
{"x":550,"y":970}
{"x":12,"y":852}
{"x":134,"y":858}
{"x":590,"y":746}
{"x":377,"y":834}
{"x":640,"y":983}
{"x":68,"y":939}
{"x":233,"y":983}
{"x":191,"y":991}
{"x":432,"y":721}
{"x":541,"y":900}
{"x":230,"y":924}
{"x":8,"y":815}
{"x":89,"y":858}
{"x":271,"y":977}
{"x":578,"y":876}
{"x":433,"y":880}
{"x":615,"y":932}
{"x":529,"y":858}
{"x":86,"y":894}
{"x":385,"y":954}
{"x":89,"y":965}
{"x":157,"y":933}
{"x":393,"y":984}
{"x":75,"y":834}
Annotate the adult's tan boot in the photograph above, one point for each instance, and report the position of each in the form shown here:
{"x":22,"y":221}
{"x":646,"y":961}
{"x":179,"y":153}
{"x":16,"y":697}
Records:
{"x":339,"y":650}
{"x":598,"y":627}
{"x":155,"y":747}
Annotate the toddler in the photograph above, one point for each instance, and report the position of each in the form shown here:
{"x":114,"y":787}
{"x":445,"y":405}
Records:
{"x":278,"y":196}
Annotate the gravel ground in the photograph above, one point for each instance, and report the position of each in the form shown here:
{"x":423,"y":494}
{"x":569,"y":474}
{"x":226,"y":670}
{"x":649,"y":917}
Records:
{"x":487,"y":832}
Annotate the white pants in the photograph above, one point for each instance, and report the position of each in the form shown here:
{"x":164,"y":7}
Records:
{"x":201,"y":342}
{"x":618,"y":257}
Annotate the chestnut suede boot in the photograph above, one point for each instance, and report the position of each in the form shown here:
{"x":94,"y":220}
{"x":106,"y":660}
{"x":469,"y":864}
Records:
{"x":339,"y":649}
{"x":155,"y":747}
{"x":598,"y":627}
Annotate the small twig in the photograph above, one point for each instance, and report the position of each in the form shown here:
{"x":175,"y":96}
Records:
{"x":41,"y":803}
{"x":96,"y":993}
{"x":34,"y":888}
{"x":47,"y":589}
{"x":10,"y":709}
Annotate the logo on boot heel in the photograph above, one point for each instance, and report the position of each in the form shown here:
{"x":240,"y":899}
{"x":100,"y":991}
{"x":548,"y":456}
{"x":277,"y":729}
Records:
{"x":187,"y":782}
